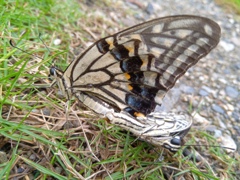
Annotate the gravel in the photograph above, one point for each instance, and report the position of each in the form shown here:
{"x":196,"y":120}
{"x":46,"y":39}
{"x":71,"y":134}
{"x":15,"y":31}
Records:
{"x":232,"y":92}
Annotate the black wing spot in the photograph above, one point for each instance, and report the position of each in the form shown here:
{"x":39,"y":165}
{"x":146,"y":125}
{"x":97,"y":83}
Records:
{"x":131,"y":64}
{"x":103,"y":46}
{"x":145,"y":92}
{"x":120,"y":53}
{"x":139,"y":104}
{"x":136,"y":77}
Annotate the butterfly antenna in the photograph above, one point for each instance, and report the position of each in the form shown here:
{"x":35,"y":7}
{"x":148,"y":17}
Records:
{"x":188,"y":153}
{"x":197,"y":145}
{"x":11,"y":43}
{"x":39,"y":36}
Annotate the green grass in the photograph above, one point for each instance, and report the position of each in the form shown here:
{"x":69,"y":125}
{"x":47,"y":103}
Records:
{"x":36,"y":132}
{"x":230,"y":5}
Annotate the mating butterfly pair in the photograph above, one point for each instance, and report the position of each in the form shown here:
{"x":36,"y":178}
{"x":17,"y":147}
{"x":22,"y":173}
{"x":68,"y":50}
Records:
{"x":125,"y":75}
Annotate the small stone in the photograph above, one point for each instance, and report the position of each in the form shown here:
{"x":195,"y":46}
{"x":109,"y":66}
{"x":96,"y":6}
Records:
{"x":227,"y":71}
{"x":20,"y":170}
{"x":228,"y":142}
{"x":218,"y":109}
{"x":32,"y":157}
{"x":195,"y":102}
{"x":58,"y":170}
{"x":187,"y":89}
{"x":232,"y":92}
{"x":227,"y":46}
{"x":46,"y":112}
{"x":3,"y":157}
{"x":35,"y":111}
{"x":57,"y":42}
{"x":217,"y":133}
{"x":210,"y":128}
{"x":169,"y":100}
{"x":198,"y":118}
{"x":201,"y":78}
{"x":88,"y":44}
{"x":230,"y":107}
{"x":235,"y":116}
{"x":60,"y":94}
{"x":150,"y":9}
{"x":204,"y":113}
{"x":235,"y":40}
{"x":229,"y":113}
{"x":208,"y":89}
{"x":222,"y":124}
{"x":161,"y":158}
{"x":237,"y":128}
{"x":222,"y":93}
{"x":237,"y":65}
{"x":222,"y":80}
{"x":231,"y":20}
{"x":202,"y":92}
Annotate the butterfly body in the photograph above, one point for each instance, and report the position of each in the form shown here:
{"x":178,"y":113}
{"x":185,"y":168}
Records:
{"x":125,"y":75}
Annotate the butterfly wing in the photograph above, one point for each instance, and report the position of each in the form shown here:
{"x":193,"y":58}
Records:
{"x":132,"y":70}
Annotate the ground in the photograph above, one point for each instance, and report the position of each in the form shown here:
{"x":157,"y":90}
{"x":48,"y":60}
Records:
{"x":41,"y":138}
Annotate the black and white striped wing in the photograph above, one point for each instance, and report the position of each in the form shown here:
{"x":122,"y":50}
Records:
{"x":132,"y":70}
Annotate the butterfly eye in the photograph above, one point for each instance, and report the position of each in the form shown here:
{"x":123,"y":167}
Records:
{"x":177,"y":140}
{"x":174,"y":144}
{"x":55,"y":72}
{"x":52,"y":71}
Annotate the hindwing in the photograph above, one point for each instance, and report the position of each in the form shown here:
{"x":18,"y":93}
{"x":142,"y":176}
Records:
{"x":133,"y":69}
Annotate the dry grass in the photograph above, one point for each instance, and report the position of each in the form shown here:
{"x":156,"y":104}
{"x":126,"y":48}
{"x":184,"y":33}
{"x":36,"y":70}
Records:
{"x":44,"y":137}
{"x":232,"y":6}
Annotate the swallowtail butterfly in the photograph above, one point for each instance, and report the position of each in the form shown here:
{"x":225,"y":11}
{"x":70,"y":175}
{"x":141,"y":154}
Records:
{"x":125,"y":75}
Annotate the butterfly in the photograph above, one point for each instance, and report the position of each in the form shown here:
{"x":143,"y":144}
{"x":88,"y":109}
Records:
{"x":126,"y":75}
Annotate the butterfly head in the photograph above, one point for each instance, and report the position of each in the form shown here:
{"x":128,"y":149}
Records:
{"x":176,"y":141}
{"x":173,"y":144}
{"x":57,"y":76}
{"x":167,"y":129}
